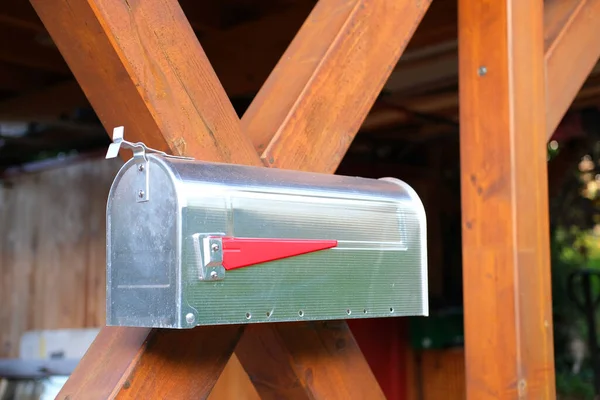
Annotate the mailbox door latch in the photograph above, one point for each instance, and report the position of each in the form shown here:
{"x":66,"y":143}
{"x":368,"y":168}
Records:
{"x":216,"y":254}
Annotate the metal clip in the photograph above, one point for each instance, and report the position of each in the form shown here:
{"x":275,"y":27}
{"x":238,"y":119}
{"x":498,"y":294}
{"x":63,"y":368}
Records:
{"x":139,"y":149}
{"x":208,"y":253}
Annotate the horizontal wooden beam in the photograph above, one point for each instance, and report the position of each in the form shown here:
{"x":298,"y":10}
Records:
{"x":572,"y":51}
{"x":504,"y":192}
{"x":165,"y":90}
{"x":326,"y":82}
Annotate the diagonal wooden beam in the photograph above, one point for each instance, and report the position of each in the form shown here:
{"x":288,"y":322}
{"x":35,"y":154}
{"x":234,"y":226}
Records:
{"x":506,"y":263}
{"x":140,"y":65}
{"x":572,"y":29}
{"x":321,"y":90}
{"x":138,"y":363}
{"x":304,"y":118}
{"x":306,"y":361}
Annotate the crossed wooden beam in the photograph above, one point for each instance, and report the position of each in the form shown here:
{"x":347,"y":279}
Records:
{"x":141,"y":66}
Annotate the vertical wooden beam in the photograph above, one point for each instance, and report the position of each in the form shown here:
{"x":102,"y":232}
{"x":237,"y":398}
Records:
{"x":318,"y":95}
{"x":572,"y":29}
{"x":506,"y":267}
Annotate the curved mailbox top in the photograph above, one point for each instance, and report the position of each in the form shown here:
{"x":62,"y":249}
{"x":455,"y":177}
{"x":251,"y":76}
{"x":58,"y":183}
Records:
{"x":194,"y":243}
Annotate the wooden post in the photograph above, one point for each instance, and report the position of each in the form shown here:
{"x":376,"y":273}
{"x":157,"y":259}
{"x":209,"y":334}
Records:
{"x":506,"y":267}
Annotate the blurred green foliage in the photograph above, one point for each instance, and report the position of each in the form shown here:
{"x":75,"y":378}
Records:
{"x":574,"y":213}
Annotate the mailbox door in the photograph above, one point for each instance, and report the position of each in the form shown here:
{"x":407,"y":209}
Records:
{"x":143,"y":248}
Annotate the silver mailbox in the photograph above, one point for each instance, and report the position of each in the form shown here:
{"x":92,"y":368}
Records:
{"x":194,"y":243}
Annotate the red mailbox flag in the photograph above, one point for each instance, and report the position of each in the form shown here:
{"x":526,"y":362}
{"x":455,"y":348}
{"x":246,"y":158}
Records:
{"x":242,"y":252}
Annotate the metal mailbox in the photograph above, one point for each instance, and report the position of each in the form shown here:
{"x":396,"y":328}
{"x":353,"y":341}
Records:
{"x":195,"y":243}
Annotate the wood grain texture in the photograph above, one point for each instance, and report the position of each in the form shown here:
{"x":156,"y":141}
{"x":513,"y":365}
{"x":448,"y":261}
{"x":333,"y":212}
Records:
{"x":443,"y":374}
{"x":149,"y":363}
{"x":187,"y":362}
{"x":506,"y":266}
{"x":140,"y":65}
{"x":572,"y":29}
{"x":436,"y":374}
{"x":313,"y":103}
{"x":314,"y":360}
{"x":52,"y":252}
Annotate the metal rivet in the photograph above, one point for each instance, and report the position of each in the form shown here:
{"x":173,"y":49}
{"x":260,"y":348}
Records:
{"x":348,"y":311}
{"x":213,"y":274}
{"x":141,"y":193}
{"x":189,"y":318}
{"x":141,"y":167}
{"x":301,"y":313}
{"x":481,"y":71}
{"x":248,"y":315}
{"x":214,"y":247}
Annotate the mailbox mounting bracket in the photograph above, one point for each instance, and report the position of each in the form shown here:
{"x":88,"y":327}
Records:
{"x":208,"y":254}
{"x":139,"y":149}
